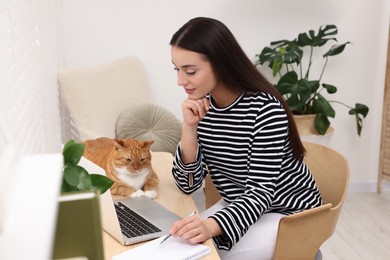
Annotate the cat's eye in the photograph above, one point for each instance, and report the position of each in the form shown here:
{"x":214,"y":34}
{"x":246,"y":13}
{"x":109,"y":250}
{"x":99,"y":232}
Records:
{"x":128,"y":160}
{"x":141,"y":160}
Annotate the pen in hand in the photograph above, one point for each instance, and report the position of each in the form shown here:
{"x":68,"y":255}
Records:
{"x":169,"y":235}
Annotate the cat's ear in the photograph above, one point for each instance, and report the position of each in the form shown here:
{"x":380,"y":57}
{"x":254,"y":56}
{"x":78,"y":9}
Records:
{"x":118,"y":143}
{"x":147,"y":144}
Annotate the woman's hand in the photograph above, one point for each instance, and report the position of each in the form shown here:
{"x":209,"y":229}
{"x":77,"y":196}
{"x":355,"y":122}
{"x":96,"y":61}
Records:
{"x":194,"y":229}
{"x":194,"y":110}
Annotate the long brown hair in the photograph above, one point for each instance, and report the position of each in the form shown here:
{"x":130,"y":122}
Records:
{"x":231,"y":65}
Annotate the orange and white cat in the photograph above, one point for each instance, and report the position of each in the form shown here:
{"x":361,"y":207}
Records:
{"x":127,"y":162}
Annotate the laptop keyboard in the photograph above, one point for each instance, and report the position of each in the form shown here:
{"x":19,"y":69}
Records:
{"x":132,"y":224}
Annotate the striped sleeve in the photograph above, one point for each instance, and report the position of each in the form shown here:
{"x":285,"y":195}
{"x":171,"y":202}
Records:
{"x":188,"y":177}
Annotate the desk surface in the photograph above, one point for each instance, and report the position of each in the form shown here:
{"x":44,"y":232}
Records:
{"x":169,"y":196}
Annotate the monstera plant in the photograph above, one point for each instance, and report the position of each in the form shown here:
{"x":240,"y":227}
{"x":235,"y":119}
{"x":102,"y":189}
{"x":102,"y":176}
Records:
{"x":75,"y":177}
{"x":304,"y":93}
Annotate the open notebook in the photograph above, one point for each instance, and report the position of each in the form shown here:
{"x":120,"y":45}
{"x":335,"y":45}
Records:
{"x":172,"y":249}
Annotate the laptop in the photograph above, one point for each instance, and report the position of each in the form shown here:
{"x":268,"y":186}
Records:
{"x":158,"y":219}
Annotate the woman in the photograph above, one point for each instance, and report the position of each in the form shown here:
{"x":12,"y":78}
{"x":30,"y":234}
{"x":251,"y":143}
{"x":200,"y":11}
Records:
{"x":238,"y":129}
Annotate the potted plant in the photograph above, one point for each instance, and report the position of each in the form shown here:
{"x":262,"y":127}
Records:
{"x":304,"y":95}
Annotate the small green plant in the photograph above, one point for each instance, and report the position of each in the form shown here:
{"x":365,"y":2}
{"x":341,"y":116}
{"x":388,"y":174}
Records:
{"x":304,"y":95}
{"x":75,"y":177}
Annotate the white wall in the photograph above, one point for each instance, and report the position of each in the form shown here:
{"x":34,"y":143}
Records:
{"x":95,"y":31}
{"x":28,"y":68}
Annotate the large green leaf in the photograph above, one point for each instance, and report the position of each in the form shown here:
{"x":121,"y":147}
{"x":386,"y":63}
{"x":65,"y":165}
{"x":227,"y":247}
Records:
{"x":321,"y":123}
{"x":291,"y":53}
{"x":266,"y":55}
{"x":323,"y":36}
{"x":298,"y":92}
{"x":100,"y":183}
{"x":66,"y":187}
{"x":287,"y":82}
{"x":69,"y":143}
{"x":72,"y":153}
{"x":336,"y":49}
{"x":285,"y":52}
{"x":85,"y":182}
{"x":360,"y":111}
{"x":72,"y":174}
{"x":329,"y":88}
{"x":314,"y":85}
{"x":322,"y":106}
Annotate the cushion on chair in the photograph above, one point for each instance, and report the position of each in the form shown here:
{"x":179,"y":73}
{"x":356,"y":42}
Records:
{"x":97,"y":95}
{"x":150,"y":122}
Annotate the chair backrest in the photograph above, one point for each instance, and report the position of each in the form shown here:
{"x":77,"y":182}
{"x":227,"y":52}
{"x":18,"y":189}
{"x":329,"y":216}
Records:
{"x":300,"y":235}
{"x":330,"y":170}
{"x":96,"y":96}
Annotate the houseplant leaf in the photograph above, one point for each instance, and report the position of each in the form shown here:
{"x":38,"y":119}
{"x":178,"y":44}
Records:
{"x":360,"y":111}
{"x":287,"y":82}
{"x":321,"y":123}
{"x":72,"y":174}
{"x":75,"y":178}
{"x":329,"y":88}
{"x":72,"y":152}
{"x":298,"y":91}
{"x":85,"y":182}
{"x":336,"y":49}
{"x":69,"y":143}
{"x":323,"y":36}
{"x":283,"y":52}
{"x":322,"y":106}
{"x":100,"y":183}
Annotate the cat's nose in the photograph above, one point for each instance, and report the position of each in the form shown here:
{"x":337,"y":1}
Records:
{"x":135,"y":166}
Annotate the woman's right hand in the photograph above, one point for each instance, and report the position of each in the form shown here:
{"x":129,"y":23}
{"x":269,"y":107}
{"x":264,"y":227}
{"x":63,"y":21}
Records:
{"x":194,"y":111}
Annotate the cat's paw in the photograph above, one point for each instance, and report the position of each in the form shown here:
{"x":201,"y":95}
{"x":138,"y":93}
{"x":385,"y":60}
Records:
{"x":138,"y":193}
{"x":151,"y":194}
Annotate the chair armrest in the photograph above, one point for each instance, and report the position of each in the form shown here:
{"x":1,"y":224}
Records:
{"x":307,"y":213}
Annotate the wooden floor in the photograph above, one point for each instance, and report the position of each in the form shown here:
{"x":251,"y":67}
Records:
{"x":363,"y":229}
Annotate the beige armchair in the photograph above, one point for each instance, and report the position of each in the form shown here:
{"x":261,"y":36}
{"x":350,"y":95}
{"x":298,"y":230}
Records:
{"x":113,"y":100}
{"x":96,"y":96}
{"x":300,"y":235}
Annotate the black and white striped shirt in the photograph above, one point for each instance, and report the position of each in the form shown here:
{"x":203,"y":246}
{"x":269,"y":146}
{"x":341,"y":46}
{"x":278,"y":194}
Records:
{"x":245,"y":148}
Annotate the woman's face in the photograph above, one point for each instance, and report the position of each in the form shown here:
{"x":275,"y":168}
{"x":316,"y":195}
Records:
{"x":194,"y":73}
